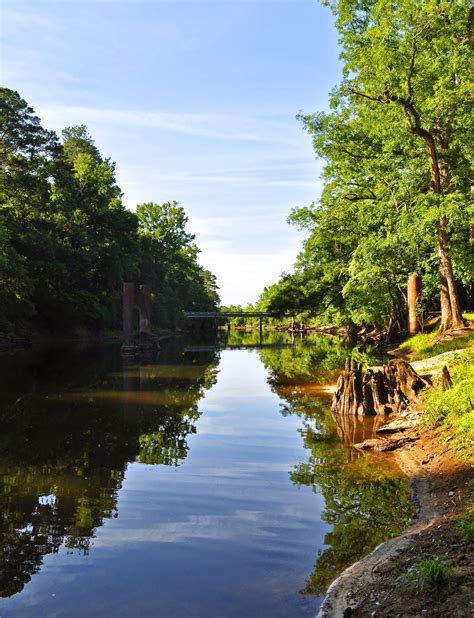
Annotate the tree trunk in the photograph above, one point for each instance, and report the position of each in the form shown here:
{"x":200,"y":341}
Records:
{"x":383,"y":391}
{"x":451,"y":316}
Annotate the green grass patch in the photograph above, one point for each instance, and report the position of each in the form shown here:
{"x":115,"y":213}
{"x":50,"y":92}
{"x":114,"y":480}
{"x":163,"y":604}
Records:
{"x":453,"y":410}
{"x":431,"y":572}
{"x":424,"y":345}
{"x":466,"y":524}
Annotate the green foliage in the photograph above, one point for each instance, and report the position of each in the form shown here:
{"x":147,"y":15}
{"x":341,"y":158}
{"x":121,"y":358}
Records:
{"x":431,"y":572}
{"x":407,"y":78}
{"x":67,"y":242}
{"x":466,"y":524}
{"x":169,"y":264}
{"x":425,"y":345}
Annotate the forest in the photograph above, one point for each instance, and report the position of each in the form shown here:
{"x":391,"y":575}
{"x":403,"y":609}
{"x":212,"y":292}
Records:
{"x":67,"y":242}
{"x":397,"y":181}
{"x":396,"y":198}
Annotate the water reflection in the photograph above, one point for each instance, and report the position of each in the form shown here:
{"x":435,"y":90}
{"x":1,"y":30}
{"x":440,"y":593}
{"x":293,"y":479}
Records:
{"x":367,"y":499}
{"x":71,"y":421}
{"x":317,"y":359}
{"x":239,"y":518}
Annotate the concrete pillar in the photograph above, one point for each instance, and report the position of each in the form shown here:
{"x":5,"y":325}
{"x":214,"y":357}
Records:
{"x":128,"y":303}
{"x":144,"y":308}
{"x":413,"y":292}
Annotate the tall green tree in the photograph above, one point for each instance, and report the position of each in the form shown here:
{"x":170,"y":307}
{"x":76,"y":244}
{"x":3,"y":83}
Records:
{"x":397,"y":145}
{"x":27,"y":153}
{"x":169,"y":263}
{"x":414,"y":60}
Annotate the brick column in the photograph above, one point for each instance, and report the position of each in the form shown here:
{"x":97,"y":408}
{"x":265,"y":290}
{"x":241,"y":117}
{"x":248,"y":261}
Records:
{"x":414,"y":290}
{"x":128,"y":303}
{"x":144,"y":308}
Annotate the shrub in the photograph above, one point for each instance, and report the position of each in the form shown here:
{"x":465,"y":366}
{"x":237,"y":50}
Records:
{"x":430,"y":572}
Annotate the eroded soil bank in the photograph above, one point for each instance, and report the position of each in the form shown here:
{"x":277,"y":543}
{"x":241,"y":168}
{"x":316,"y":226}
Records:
{"x":378,"y":584}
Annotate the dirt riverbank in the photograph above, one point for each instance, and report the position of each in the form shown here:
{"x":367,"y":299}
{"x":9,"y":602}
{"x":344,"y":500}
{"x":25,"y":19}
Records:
{"x":378,"y":584}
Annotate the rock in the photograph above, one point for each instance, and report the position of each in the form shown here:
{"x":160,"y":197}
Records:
{"x":451,"y":493}
{"x":370,"y":443}
{"x":381,"y":445}
{"x":397,"y":425}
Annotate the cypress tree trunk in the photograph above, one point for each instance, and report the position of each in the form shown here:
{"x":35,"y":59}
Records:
{"x":451,"y":316}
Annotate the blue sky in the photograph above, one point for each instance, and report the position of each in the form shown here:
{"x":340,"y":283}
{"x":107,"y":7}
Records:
{"x":196,"y":102}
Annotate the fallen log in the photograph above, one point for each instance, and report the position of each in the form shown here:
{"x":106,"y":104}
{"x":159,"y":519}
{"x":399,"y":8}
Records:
{"x":376,"y":391}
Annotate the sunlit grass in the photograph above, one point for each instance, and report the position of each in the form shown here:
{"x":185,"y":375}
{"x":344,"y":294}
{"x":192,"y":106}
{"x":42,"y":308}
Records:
{"x":424,"y":345}
{"x":453,"y":410}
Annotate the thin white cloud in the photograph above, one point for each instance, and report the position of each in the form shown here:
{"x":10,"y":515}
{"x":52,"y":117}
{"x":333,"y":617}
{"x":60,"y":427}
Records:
{"x":239,"y":179}
{"x":19,"y":18}
{"x":187,"y":123}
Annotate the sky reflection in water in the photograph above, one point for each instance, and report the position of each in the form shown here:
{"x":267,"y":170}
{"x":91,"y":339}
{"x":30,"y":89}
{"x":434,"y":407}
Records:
{"x":189,"y":487}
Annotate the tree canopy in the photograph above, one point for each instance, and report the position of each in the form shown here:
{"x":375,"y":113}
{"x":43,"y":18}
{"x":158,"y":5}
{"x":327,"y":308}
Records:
{"x":397,"y":147}
{"x":67,"y":242}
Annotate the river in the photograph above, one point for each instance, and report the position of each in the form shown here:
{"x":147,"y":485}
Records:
{"x":210,"y":481}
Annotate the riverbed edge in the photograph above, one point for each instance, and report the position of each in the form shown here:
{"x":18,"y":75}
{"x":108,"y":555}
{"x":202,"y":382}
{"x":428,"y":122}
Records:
{"x":355,"y":585}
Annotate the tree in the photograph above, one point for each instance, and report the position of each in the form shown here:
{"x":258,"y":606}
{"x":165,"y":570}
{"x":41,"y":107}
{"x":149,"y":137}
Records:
{"x":169,"y":263}
{"x":27,"y":153}
{"x":407,"y":68}
{"x":396,"y":146}
{"x":166,"y":224}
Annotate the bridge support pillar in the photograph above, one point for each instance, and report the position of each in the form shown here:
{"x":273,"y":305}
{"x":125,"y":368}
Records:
{"x":128,"y":301}
{"x":128,"y":305}
{"x":144,"y":309}
{"x":413,"y":292}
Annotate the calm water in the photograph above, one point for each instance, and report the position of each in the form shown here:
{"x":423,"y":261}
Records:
{"x":204,"y":482}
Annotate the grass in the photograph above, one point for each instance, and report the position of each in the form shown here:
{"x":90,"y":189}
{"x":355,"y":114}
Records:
{"x":466,"y":522}
{"x":424,"y":345}
{"x":430,"y":572}
{"x":453,"y":410}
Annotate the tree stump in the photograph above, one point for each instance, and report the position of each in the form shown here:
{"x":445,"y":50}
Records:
{"x":446,"y":381}
{"x":375,"y":391}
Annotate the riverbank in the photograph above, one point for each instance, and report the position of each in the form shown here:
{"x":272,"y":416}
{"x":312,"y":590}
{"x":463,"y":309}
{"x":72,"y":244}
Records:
{"x":390,"y":581}
{"x":379,"y":584}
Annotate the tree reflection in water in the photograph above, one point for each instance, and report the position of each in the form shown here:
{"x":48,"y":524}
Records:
{"x":71,"y":422}
{"x":367,"y":499}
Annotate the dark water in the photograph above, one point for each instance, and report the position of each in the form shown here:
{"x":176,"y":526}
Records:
{"x":203,"y":483}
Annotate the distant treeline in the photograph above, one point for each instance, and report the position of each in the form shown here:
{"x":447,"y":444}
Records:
{"x":397,"y":184}
{"x":67,"y":242}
